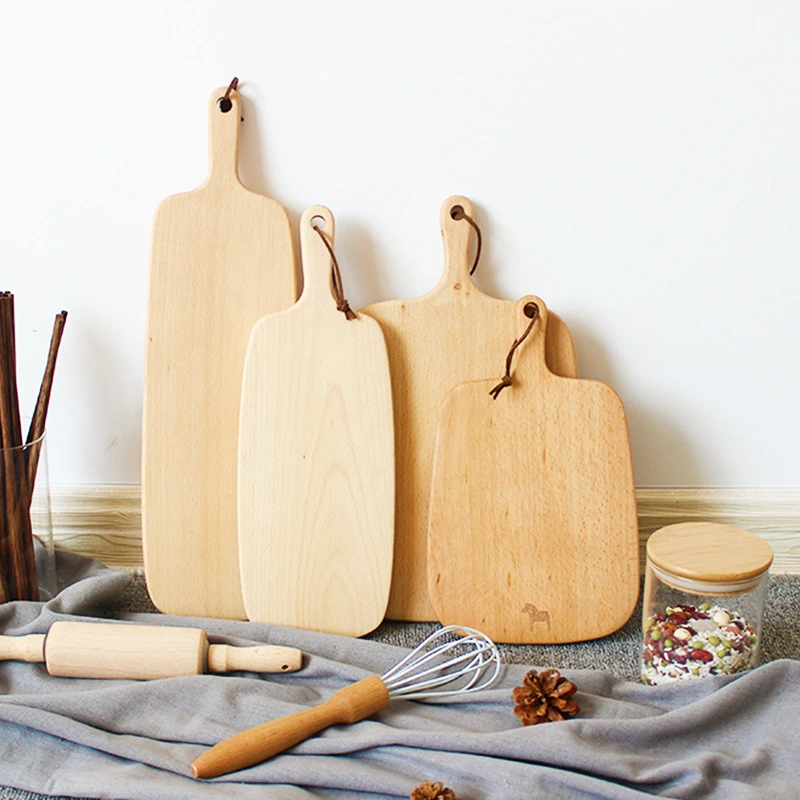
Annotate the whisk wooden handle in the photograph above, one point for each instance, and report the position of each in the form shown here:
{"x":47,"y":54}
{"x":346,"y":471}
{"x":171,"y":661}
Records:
{"x":348,"y":705}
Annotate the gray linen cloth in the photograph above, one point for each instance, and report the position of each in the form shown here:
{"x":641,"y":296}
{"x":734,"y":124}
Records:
{"x":726,"y":737}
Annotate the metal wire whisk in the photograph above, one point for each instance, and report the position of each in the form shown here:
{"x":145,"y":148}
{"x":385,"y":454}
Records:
{"x":452,"y":661}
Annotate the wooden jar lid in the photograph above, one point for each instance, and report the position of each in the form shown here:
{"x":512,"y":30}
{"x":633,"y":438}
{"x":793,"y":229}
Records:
{"x":709,"y":552}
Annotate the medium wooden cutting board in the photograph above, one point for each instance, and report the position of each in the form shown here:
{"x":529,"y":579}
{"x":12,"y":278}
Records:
{"x":222,"y":257}
{"x":533,"y":534}
{"x":452,"y":334}
{"x":316,"y":460}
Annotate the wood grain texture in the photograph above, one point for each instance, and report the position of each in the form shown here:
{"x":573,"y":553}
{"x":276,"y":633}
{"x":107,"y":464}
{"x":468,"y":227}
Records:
{"x":533,"y":534}
{"x":23,"y":648}
{"x":140,"y":652}
{"x":316,"y":460}
{"x":261,"y":658}
{"x":771,"y":513}
{"x":104,"y":521}
{"x":136,"y":652}
{"x":222,"y":257}
{"x":453,"y":334}
{"x":709,"y":552}
{"x":348,"y":705}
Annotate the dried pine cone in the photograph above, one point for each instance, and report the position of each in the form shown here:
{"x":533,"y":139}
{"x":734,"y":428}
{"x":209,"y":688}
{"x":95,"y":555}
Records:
{"x":432,"y":791}
{"x":545,"y":697}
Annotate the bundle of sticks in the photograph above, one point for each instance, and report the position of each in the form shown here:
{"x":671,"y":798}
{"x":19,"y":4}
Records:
{"x":19,"y":460}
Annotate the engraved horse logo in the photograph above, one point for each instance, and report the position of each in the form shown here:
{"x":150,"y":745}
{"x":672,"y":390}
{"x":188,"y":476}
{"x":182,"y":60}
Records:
{"x":536,"y":615}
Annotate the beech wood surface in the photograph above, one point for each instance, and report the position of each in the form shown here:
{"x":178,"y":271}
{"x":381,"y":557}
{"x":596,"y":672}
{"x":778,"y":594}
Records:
{"x":351,"y":704}
{"x":137,"y":652}
{"x":140,"y":652}
{"x":316,"y":460}
{"x":533,"y":532}
{"x":222,"y":257}
{"x":709,"y":552}
{"x":261,"y":658}
{"x":453,"y":334}
{"x":104,"y":522}
{"x":23,"y":648}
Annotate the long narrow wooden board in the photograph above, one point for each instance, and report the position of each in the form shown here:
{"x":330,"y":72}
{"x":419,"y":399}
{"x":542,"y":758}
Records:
{"x":222,"y":257}
{"x":533,"y":534}
{"x":453,"y":334}
{"x":316,"y":459}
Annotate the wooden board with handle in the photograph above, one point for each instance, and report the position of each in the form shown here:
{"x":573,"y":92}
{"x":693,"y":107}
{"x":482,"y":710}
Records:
{"x":316,"y":459}
{"x":453,"y":334}
{"x":222,"y":257}
{"x":533,"y":534}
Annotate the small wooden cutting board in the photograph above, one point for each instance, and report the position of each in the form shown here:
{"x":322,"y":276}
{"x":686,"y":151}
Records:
{"x":316,"y":459}
{"x":533,"y":534}
{"x":453,"y":334}
{"x":222,"y":257}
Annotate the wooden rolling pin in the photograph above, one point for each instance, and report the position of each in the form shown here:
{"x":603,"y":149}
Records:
{"x":140,"y":652}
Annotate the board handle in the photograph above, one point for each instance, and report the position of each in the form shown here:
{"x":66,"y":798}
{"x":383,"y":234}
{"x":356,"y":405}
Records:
{"x":224,"y":121}
{"x":351,"y":704}
{"x":23,"y":648}
{"x":457,"y":237}
{"x":318,"y":267}
{"x":526,"y":357}
{"x":531,"y":357}
{"x":262,"y":658}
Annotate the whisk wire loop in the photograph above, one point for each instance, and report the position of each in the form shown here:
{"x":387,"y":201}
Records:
{"x":467,"y":664}
{"x":420,"y":689}
{"x":414,"y":674}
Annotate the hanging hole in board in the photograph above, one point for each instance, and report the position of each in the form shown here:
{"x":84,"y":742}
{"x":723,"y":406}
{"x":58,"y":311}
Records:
{"x":225,"y":103}
{"x":530,"y":310}
{"x":318,"y":223}
{"x":457,"y":213}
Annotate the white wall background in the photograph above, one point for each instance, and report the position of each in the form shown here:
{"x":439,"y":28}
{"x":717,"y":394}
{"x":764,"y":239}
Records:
{"x":635,"y":164}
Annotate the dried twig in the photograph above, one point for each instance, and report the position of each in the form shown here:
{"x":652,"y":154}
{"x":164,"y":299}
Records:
{"x":16,"y":512}
{"x":38,"y":422}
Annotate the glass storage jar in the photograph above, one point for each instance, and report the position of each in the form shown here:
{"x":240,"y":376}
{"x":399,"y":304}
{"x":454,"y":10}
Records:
{"x":704,"y":593}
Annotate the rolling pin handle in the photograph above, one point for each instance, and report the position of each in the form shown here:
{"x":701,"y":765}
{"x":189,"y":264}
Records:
{"x":23,"y":648}
{"x":262,"y":658}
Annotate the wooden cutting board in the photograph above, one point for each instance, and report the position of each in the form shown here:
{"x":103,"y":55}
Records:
{"x":316,"y":460}
{"x":222,"y":257}
{"x":452,"y":334}
{"x":533,"y":534}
